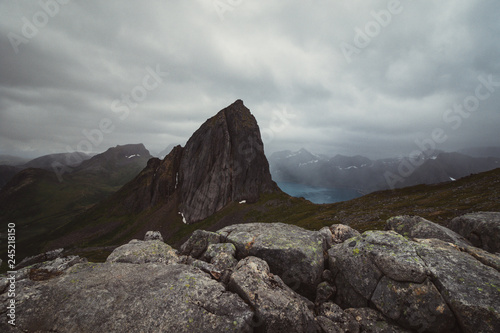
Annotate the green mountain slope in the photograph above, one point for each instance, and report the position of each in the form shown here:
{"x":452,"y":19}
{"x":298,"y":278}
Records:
{"x":38,"y":203}
{"x":100,"y":229}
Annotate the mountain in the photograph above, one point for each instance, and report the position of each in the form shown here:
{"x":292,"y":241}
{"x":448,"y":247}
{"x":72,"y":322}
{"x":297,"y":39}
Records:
{"x":161,"y":155}
{"x":10,"y":165}
{"x":115,"y":166}
{"x":39,"y":200}
{"x":7,"y":172}
{"x":12,"y":160}
{"x":438,"y":202}
{"x":47,"y":161}
{"x":346,"y":162}
{"x":222,"y":164}
{"x":363,"y":174}
{"x":296,"y":167}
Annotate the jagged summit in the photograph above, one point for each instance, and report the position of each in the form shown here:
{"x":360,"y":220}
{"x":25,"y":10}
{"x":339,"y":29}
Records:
{"x":222,"y":162}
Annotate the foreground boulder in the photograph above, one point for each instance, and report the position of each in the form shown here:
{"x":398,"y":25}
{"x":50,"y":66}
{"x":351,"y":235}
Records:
{"x":421,"y":285}
{"x":481,"y":229}
{"x":293,"y":253}
{"x":418,"y":227}
{"x":47,"y":256}
{"x":277,"y":307}
{"x":119,"y":297}
{"x":198,"y":243}
{"x":153,"y":235}
{"x":471,"y":289}
{"x":140,"y":252}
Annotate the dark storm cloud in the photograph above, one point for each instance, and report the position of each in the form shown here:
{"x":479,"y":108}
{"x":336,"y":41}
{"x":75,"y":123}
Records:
{"x":285,"y":59}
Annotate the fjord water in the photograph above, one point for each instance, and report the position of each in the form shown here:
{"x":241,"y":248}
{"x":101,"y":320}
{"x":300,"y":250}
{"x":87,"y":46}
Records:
{"x":318,"y":195}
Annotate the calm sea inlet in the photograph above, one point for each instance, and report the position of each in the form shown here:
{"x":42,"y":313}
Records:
{"x":319,"y":195}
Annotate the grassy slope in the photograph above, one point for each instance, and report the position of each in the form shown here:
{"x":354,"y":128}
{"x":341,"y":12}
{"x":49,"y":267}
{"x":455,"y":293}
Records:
{"x":44,"y":204}
{"x":439,"y":203}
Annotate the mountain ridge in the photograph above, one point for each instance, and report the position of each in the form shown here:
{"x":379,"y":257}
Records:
{"x":361,"y":173}
{"x":222,"y":163}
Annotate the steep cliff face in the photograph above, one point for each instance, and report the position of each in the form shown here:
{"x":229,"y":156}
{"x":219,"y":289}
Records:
{"x":157,"y":183}
{"x":223,"y":161}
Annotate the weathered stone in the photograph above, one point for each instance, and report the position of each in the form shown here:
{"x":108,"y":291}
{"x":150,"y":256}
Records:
{"x":207,"y":268}
{"x":277,"y":307}
{"x":418,"y":227}
{"x":213,"y":250}
{"x":386,"y":270}
{"x":481,"y":229}
{"x":395,"y":256}
{"x":417,"y":306}
{"x":485,"y":257}
{"x":364,"y":259}
{"x":224,"y":261}
{"x":324,"y":292}
{"x":293,"y":253}
{"x":326,"y":325}
{"x":119,"y":297}
{"x":222,"y":255}
{"x":371,"y":321}
{"x":153,"y":235}
{"x":328,"y":276}
{"x":343,"y":321}
{"x":342,"y":232}
{"x":47,"y":256}
{"x":347,"y":295}
{"x":471,"y":289}
{"x":197,"y":244}
{"x":327,"y":236}
{"x":140,"y":252}
{"x":28,"y":276}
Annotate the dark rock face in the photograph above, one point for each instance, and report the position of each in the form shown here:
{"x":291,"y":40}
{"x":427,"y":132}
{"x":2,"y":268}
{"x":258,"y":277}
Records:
{"x":156,"y":184}
{"x":223,"y":161}
{"x":481,"y":229}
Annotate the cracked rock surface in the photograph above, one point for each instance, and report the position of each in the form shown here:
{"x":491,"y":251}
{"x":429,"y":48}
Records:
{"x":429,"y":285}
{"x":233,"y":281}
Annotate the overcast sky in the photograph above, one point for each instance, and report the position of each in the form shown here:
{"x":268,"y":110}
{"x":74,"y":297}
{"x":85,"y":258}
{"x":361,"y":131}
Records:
{"x":349,"y":77}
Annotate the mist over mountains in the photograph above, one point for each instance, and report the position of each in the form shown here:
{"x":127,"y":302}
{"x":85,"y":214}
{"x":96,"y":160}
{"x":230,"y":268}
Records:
{"x":366,"y":175}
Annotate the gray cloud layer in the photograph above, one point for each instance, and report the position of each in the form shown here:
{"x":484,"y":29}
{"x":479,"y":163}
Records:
{"x":351,"y":77}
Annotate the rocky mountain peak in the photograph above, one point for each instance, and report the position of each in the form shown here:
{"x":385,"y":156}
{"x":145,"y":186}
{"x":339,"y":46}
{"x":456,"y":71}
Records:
{"x":222,"y":162}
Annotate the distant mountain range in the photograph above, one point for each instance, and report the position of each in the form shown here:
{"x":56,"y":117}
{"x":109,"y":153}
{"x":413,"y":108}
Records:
{"x":366,"y":175}
{"x":39,"y":201}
